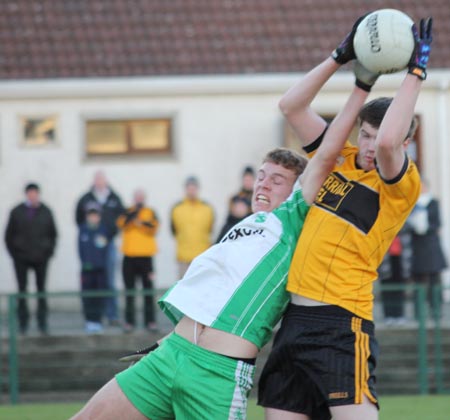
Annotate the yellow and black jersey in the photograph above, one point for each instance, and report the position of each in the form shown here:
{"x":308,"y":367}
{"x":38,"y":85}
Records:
{"x":347,"y":231}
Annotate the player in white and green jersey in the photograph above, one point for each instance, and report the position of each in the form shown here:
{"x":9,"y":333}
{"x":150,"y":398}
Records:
{"x":224,"y":308}
{"x":239,"y":285}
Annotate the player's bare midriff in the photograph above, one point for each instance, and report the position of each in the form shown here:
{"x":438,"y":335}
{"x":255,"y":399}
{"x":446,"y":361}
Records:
{"x":304,"y":301}
{"x":216,"y":340}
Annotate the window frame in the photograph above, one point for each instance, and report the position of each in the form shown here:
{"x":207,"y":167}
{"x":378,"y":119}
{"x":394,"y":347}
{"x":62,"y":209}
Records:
{"x":131,"y":149}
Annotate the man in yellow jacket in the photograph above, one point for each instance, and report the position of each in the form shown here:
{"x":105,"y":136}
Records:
{"x":139,"y":225}
{"x":192,"y":221}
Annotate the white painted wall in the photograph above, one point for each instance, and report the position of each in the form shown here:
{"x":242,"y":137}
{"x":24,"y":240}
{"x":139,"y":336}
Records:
{"x":221,"y":125}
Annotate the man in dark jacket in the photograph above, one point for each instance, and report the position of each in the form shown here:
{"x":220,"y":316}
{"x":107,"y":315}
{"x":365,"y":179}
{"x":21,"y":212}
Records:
{"x":31,"y":238}
{"x":111,"y":207}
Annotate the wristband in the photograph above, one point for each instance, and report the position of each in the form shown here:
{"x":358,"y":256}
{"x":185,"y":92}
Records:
{"x":363,"y":86}
{"x":417,"y":71}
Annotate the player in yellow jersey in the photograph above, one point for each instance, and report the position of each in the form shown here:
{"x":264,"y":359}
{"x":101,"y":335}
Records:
{"x":323,"y":358}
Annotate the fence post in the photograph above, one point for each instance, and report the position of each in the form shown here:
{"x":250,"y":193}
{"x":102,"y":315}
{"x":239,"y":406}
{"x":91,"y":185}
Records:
{"x":423,"y":356}
{"x":438,"y":358}
{"x":13,"y":360}
{"x":1,"y":346}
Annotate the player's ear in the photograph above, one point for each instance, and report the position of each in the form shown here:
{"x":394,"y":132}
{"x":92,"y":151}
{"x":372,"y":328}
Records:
{"x":406,"y":142}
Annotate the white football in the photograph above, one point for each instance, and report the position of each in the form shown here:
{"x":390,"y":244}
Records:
{"x":384,"y":41}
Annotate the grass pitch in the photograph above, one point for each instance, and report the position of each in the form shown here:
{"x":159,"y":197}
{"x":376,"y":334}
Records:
{"x":392,"y":408}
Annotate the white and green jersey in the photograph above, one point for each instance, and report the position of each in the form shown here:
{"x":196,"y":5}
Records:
{"x":239,"y":285}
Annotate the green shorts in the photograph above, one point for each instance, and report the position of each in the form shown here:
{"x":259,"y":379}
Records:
{"x":183,"y":381}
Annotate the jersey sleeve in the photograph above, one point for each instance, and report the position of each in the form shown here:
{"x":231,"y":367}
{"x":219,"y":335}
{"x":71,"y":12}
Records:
{"x":404,"y":190}
{"x":292,"y":212}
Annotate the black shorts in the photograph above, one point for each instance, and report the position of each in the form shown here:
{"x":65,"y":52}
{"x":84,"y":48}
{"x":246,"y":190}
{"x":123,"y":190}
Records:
{"x":322,"y":356}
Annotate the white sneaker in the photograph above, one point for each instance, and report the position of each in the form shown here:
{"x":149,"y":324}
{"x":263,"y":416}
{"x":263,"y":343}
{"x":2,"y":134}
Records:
{"x":93,"y":327}
{"x":389,"y":320}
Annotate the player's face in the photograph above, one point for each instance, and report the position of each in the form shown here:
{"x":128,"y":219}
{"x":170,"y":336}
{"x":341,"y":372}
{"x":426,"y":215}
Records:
{"x":366,"y":142}
{"x":273,"y":185}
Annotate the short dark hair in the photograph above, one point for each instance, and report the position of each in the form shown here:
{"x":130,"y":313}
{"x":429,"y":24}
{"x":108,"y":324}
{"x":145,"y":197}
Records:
{"x":191,"y":180}
{"x":240,"y":199}
{"x":289,"y":159}
{"x":31,"y":186}
{"x":93,"y":207}
{"x":248,"y":170}
{"x":374,"y":111}
{"x":92,"y":210}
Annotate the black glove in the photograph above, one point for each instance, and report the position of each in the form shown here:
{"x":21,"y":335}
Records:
{"x":419,"y":59}
{"x":345,"y":51}
{"x":130,"y":216}
{"x":365,"y":79}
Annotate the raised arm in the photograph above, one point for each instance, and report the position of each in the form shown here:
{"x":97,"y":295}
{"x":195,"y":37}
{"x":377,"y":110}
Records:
{"x":323,"y":162}
{"x":296,"y":103}
{"x":393,"y":132}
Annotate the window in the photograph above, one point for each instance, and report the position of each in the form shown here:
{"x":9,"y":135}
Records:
{"x":128,"y":137}
{"x":38,"y":131}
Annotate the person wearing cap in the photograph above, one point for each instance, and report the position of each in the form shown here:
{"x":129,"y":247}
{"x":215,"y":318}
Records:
{"x":30,"y":238}
{"x":192,"y":221}
{"x":93,"y":251}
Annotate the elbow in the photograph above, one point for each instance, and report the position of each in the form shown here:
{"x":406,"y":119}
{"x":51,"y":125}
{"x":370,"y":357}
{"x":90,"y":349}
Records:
{"x":385,"y":142}
{"x":384,"y":148}
{"x":285,"y":107}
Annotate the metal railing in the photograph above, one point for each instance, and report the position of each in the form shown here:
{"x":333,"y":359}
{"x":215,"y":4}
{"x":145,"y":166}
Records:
{"x":439,"y":365}
{"x":11,"y":381}
{"x":430,"y":363}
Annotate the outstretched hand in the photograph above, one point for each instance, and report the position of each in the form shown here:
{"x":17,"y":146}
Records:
{"x":345,"y":51}
{"x":419,"y":59}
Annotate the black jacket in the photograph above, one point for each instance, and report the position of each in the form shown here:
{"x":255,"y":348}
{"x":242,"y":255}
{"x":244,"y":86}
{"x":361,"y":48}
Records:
{"x":110,"y":210}
{"x":230,"y":222}
{"x":428,"y":255}
{"x":31,"y":239}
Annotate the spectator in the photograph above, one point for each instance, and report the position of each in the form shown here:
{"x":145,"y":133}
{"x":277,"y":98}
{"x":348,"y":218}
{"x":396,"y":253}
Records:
{"x":240,"y":204}
{"x":31,"y":238}
{"x":92,"y":248}
{"x":111,"y":208}
{"x":395,"y":271}
{"x":192,"y":221}
{"x":238,"y":211}
{"x":428,"y":259}
{"x":139,"y":225}
{"x":246,"y":191}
